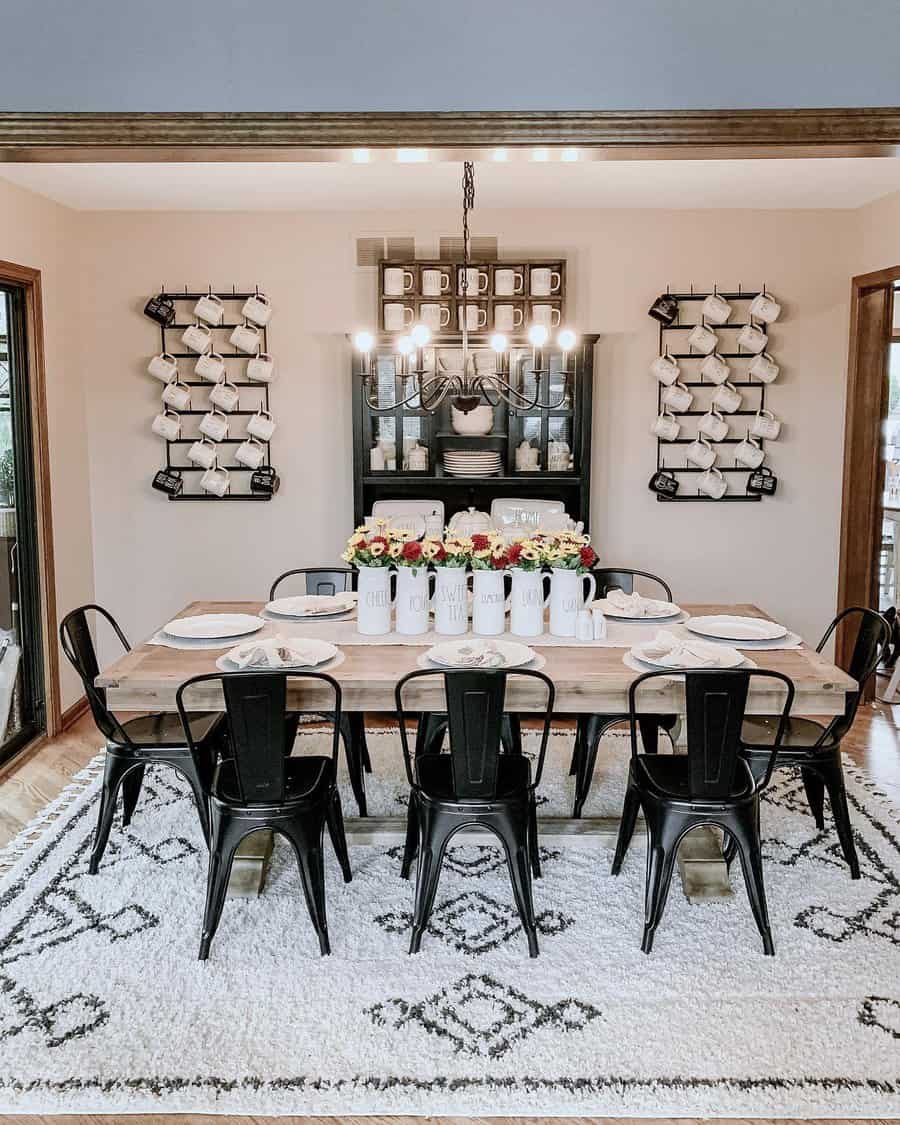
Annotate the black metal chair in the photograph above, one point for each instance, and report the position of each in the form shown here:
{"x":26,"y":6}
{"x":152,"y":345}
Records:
{"x":475,"y":784}
{"x":591,"y":728}
{"x":259,"y":786}
{"x":133,"y":744}
{"x":330,"y":580}
{"x":711,"y":784}
{"x":815,"y":749}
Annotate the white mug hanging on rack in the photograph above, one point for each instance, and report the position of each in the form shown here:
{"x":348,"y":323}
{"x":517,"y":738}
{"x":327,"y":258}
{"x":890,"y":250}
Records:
{"x":261,"y":425}
{"x":545,"y":281}
{"x":215,"y":480}
{"x":435,"y":283}
{"x":547,"y":315}
{"x":167,"y":425}
{"x":701,"y":453}
{"x":764,"y":368}
{"x":434,"y":316}
{"x":261,"y":368}
{"x":197,"y":338}
{"x":475,"y":317}
{"x":667,"y":427}
{"x":713,"y":426}
{"x":527,"y":600}
{"x":748,"y":453}
{"x":712,"y":483}
{"x":677,"y":397}
{"x":250,"y":453}
{"x":177,"y":395}
{"x":765,"y":425}
{"x":507,"y":318}
{"x":210,"y":308}
{"x":665,"y":369}
{"x":246,"y":338}
{"x":210,"y":366}
{"x":508,"y":283}
{"x":727,"y":398}
{"x":752,"y":339}
{"x":373,"y":608}
{"x":413,"y":600}
{"x":567,"y":597}
{"x":716,"y":309}
{"x":397,"y":281}
{"x":703,"y":339}
{"x":451,"y":598}
{"x":163,"y":367}
{"x":765,"y":308}
{"x":214,"y":425}
{"x":225,"y":395}
{"x":715,"y":368}
{"x":203,"y":453}
{"x":257,"y":308}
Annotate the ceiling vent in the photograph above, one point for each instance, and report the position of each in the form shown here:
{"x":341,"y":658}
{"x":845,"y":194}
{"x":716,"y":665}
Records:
{"x":483,"y":249}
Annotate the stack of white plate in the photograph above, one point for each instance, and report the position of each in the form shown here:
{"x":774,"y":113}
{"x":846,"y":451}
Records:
{"x":473,"y":462}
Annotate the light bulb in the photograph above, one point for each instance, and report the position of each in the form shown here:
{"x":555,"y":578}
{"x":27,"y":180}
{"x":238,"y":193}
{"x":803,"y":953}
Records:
{"x":363,"y":341}
{"x":405,"y":345}
{"x":566,"y":339}
{"x":421,"y":334}
{"x":538,"y":334}
{"x":499,"y":342}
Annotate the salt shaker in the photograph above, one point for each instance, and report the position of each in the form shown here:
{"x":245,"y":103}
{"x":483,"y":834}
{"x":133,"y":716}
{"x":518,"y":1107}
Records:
{"x":584,"y":629}
{"x":599,"y":625}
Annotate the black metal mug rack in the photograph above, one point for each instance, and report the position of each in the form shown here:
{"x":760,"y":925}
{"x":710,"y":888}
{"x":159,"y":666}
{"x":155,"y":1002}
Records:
{"x":668,"y":335}
{"x":182,"y":465}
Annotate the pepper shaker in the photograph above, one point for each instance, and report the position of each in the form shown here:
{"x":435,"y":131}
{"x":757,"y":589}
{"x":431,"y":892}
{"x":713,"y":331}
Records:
{"x":599,"y":624}
{"x":584,"y":629}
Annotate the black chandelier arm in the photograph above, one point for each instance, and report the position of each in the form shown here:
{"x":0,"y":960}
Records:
{"x":429,"y":398}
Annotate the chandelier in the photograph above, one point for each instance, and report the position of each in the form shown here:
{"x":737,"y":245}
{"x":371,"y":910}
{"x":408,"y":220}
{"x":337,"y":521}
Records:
{"x":468,"y":386}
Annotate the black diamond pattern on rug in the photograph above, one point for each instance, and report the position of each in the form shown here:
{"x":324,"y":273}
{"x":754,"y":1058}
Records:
{"x":475,"y":860}
{"x":57,"y":1023}
{"x":881,"y":1012}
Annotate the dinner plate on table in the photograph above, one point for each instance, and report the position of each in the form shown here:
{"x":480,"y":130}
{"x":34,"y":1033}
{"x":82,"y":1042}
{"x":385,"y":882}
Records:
{"x":453,"y":654}
{"x":728,"y":658}
{"x":728,"y":627}
{"x":315,"y":654}
{"x":312,"y":605}
{"x":213,"y":626}
{"x":667,"y":611}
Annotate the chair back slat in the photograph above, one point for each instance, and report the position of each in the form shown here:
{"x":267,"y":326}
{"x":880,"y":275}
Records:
{"x":77,"y":644}
{"x":475,"y":717}
{"x":255,"y":713}
{"x":325,"y":581}
{"x":617,"y":578}
{"x":715,"y":706}
{"x":872,"y":635}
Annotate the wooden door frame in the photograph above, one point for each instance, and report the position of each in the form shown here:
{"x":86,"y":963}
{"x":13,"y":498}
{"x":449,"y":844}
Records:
{"x":29,"y":281}
{"x":870,"y":334}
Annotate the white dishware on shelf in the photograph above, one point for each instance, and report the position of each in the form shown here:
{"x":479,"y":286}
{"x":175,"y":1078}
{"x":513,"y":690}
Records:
{"x":213,"y":626}
{"x":450,"y":601}
{"x":397,"y":281}
{"x":506,"y":511}
{"x":765,"y":308}
{"x":278,"y":652}
{"x":748,"y":453}
{"x":261,"y":425}
{"x":203,"y":453}
{"x":669,"y":651}
{"x":727,"y":398}
{"x":197,"y":338}
{"x":765,"y":425}
{"x":715,"y":368}
{"x":434,"y":316}
{"x":508,"y":318}
{"x":481,"y":654}
{"x":764,"y":368}
{"x":261,"y":368}
{"x":550,"y":523}
{"x":163,"y":367}
{"x":210,"y":366}
{"x":527,"y":601}
{"x":508,"y":283}
{"x":470,"y":522}
{"x":214,"y":425}
{"x":544,"y":281}
{"x":397,"y":317}
{"x":382,"y":509}
{"x":752,"y":339}
{"x":258,"y":308}
{"x":417,"y":461}
{"x":478,"y":421}
{"x":225,"y":395}
{"x":712,"y":483}
{"x":568,"y":595}
{"x":250,"y":453}
{"x":313,"y":605}
{"x":526,"y":457}
{"x":210,"y":308}
{"x":177,"y":395}
{"x":167,"y":424}
{"x":732,"y":627}
{"x":435,"y":283}
{"x":374,"y":600}
{"x":477,"y":281}
{"x":216,"y":480}
{"x":550,"y":316}
{"x":475,"y":317}
{"x":716,"y":309}
{"x":703,"y":339}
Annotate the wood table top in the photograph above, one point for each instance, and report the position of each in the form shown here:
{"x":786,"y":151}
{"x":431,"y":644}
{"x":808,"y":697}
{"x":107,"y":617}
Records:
{"x":587,"y":679}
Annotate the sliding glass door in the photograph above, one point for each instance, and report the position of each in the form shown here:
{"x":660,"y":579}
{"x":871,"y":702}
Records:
{"x":22,"y":711}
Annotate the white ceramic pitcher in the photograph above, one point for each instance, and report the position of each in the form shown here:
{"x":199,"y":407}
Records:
{"x":489,"y":603}
{"x":374,"y":601}
{"x":527,"y":601}
{"x":567,"y":596}
{"x":412,"y":600}
{"x":450,"y":602}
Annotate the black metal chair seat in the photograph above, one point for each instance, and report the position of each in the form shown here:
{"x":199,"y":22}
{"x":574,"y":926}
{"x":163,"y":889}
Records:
{"x":151,"y":732}
{"x":759,"y":731}
{"x":434,"y":777}
{"x":667,"y":776}
{"x":305,"y":779}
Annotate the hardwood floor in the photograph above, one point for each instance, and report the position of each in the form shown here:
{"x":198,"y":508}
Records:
{"x":37,"y":777}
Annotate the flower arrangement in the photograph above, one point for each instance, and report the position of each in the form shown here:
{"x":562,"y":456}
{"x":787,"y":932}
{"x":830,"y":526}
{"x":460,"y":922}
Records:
{"x":567,"y":551}
{"x":380,"y":546}
{"x":454,"y":551}
{"x":526,"y":554}
{"x":489,"y":552}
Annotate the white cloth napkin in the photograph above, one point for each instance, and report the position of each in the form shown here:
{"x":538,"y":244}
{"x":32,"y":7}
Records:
{"x":680,"y":652}
{"x":479,"y":654}
{"x":276,"y":652}
{"x":634,"y":605}
{"x":311,"y":605}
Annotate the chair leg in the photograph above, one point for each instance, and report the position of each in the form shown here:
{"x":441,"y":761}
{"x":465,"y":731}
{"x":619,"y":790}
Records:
{"x":662,"y":847}
{"x":306,"y":836}
{"x":412,"y":837}
{"x":815,"y":795}
{"x":363,"y":745}
{"x":595,"y":727}
{"x":114,"y":771}
{"x":515,"y":843}
{"x":334,"y":818}
{"x":729,"y":849}
{"x":131,"y":791}
{"x":351,"y":726}
{"x":511,"y":734}
{"x":630,"y":810}
{"x":224,"y":839}
{"x":578,"y":746}
{"x":744,"y":831}
{"x":433,"y":835}
{"x":648,"y":725}
{"x":200,"y":789}
{"x":833,"y":776}
{"x":534,"y":846}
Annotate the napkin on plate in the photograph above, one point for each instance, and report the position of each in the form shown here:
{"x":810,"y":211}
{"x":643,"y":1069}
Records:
{"x":678,"y":652}
{"x":313,"y":604}
{"x":634,"y":605}
{"x":276,"y":652}
{"x":479,"y":655}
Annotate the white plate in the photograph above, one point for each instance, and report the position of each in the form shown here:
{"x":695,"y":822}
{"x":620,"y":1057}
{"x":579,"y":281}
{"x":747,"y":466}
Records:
{"x":672,"y":610}
{"x":724,"y":627}
{"x":729,"y":657}
{"x":322,"y":652}
{"x":312,"y":605}
{"x":448,"y":654}
{"x":210,"y":626}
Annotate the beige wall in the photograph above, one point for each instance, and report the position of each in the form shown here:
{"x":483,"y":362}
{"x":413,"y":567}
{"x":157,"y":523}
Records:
{"x":35,"y":232}
{"x":878,"y":235}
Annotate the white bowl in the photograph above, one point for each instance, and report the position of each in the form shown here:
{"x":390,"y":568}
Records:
{"x":477,"y":421}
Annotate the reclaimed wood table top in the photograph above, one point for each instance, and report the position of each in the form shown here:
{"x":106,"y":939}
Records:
{"x":587,"y":679}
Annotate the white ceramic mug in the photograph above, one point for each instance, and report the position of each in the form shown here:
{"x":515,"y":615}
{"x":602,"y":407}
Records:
{"x":508,"y":283}
{"x":507,"y":318}
{"x":548,"y":315}
{"x":715,"y":368}
{"x":544,"y":281}
{"x":261,"y":368}
{"x":397,"y":317}
{"x":476,"y":281}
{"x":225,"y":395}
{"x":167,"y":425}
{"x":703,"y":339}
{"x":203,"y":453}
{"x":716,"y":309}
{"x":435,"y":283}
{"x":476,"y":317}
{"x":210,"y":308}
{"x":727,"y":398}
{"x":677,"y":397}
{"x":397,"y":281}
{"x":665,"y":369}
{"x":713,"y":426}
{"x":215,"y":480}
{"x":246,"y":338}
{"x":434,"y":316}
{"x":748,"y":453}
{"x":214,"y":425}
{"x":666,"y":426}
{"x":752,"y":339}
{"x":257,"y":308}
{"x":765,"y":308}
{"x":250,"y":453}
{"x":261,"y":425}
{"x":700,"y":453}
{"x":177,"y":395}
{"x":163,"y":366}
{"x":765,"y":425}
{"x":197,"y":338}
{"x":210,"y":366}
{"x":764,"y":368}
{"x":713,"y":483}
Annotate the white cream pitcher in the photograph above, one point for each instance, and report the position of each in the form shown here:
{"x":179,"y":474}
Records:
{"x":373,"y":607}
{"x":527,"y":601}
{"x":489,"y":603}
{"x":450,"y":602}
{"x":412,"y":600}
{"x":567,"y":597}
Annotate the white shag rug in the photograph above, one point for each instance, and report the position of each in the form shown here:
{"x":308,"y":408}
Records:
{"x":105,"y":1009}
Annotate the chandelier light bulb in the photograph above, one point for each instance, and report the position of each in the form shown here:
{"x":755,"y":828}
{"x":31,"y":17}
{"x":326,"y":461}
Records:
{"x":421,"y":334}
{"x":499,"y":342}
{"x":537,"y":334}
{"x":363,"y":341}
{"x":405,"y":345}
{"x":566,"y":339}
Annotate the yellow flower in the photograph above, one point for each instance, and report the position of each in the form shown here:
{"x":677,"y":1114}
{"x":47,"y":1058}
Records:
{"x":349,"y":555}
{"x":430,"y":548}
{"x":485,"y":554}
{"x":498,"y":550}
{"x":529,"y":553}
{"x":395,"y":550}
{"x":356,"y":539}
{"x":376,"y":549}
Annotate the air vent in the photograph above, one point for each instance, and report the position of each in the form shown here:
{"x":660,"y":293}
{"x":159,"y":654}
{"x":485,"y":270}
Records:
{"x":483,"y":248}
{"x":369,"y":251}
{"x":401,"y":248}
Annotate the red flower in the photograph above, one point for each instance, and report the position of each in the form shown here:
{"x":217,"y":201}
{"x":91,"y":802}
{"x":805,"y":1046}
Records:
{"x":480,"y":542}
{"x":513,"y":553}
{"x":588,"y":556}
{"x":379,"y":539}
{"x":412,"y":551}
{"x":498,"y":562}
{"x":441,"y":554}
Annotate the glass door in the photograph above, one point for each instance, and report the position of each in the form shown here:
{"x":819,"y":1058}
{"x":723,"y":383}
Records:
{"x":22,"y":714}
